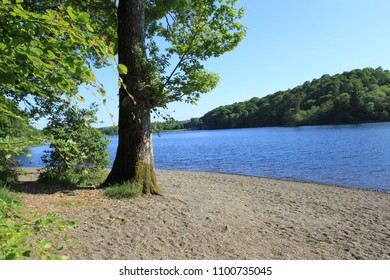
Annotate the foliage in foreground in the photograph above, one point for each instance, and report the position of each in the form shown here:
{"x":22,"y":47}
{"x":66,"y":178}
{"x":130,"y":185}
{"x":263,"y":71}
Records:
{"x":29,"y":236}
{"x":6,"y":196}
{"x":46,"y":50}
{"x":123,"y":190}
{"x":15,"y":135}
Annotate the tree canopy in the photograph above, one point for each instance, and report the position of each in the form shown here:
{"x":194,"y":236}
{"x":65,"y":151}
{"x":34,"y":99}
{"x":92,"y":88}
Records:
{"x":46,"y":52}
{"x":192,"y":32}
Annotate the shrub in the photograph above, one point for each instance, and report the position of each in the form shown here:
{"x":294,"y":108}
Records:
{"x":77,"y":150}
{"x":66,"y":178}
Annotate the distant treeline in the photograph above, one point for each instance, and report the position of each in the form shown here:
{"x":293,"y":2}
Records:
{"x":194,"y":123}
{"x":350,"y":97}
{"x":355,"y":96}
{"x":109,"y":130}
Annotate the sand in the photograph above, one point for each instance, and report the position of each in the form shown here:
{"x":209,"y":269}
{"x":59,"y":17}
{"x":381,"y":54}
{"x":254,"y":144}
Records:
{"x":219,"y":216}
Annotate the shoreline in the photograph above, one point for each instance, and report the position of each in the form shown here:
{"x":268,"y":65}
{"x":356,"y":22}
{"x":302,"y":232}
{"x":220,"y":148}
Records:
{"x":254,"y":176}
{"x":289,"y":180}
{"x":220,"y":216}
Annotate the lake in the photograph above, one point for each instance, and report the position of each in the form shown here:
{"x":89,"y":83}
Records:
{"x":356,"y":156}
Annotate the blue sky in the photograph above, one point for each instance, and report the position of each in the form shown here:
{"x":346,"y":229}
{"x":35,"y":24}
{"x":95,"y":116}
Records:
{"x":287,"y":43}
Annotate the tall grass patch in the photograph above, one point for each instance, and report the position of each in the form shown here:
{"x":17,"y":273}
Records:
{"x":123,"y":190}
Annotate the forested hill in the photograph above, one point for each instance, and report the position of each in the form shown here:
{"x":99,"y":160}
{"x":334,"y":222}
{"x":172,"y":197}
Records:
{"x":355,"y":96}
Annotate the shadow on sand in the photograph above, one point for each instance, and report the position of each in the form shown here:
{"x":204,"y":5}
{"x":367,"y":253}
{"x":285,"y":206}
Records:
{"x":28,"y":183}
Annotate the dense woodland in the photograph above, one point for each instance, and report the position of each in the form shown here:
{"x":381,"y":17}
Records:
{"x":354,"y":96}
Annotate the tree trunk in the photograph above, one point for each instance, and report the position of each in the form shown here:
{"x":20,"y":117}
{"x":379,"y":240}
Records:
{"x":134,"y":159}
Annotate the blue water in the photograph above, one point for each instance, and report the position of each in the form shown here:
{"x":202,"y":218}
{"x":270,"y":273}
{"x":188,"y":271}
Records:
{"x":356,"y":156}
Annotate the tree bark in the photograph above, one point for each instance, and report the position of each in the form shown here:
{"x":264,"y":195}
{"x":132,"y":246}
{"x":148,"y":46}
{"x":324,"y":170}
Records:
{"x":134,"y":159}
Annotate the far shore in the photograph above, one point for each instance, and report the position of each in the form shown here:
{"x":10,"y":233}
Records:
{"x":221,"y":216}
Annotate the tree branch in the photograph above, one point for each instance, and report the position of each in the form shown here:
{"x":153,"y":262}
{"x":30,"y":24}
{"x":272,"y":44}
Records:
{"x":182,"y":58}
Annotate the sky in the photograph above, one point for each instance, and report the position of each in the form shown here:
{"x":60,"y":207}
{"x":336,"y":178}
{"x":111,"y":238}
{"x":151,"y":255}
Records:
{"x":287,"y":43}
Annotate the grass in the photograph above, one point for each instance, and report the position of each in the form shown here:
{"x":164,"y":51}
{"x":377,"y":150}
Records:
{"x":123,"y":190}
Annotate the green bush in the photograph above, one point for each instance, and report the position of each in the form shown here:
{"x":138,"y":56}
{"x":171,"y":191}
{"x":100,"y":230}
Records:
{"x":123,"y":190}
{"x":75,"y":144}
{"x":66,"y":178}
{"x":77,"y":149}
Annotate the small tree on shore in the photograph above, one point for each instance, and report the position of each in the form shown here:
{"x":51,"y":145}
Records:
{"x":76,"y":147}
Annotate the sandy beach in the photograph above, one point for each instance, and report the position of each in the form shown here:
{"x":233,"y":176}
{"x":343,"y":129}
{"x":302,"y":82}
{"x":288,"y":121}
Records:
{"x":220,"y":216}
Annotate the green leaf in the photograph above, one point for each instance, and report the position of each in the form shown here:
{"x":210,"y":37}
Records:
{"x":72,"y":225}
{"x":70,"y":12}
{"x":80,"y":98}
{"x":89,"y":27}
{"x":111,"y":56}
{"x":36,"y":51}
{"x":47,"y":222}
{"x":51,"y":54}
{"x":83,"y":17}
{"x":10,"y":256}
{"x":122,"y":69}
{"x":47,"y":244}
{"x":27,"y":254}
{"x":102,"y":91}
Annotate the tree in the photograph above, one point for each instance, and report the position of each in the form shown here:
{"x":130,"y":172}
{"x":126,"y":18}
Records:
{"x":193,"y":31}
